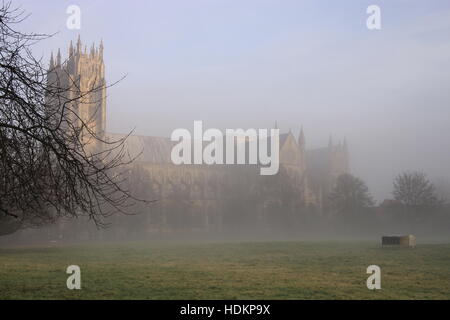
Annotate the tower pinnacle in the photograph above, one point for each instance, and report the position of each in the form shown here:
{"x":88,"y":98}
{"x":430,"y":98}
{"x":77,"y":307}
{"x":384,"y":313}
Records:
{"x":70,"y":49}
{"x":58,"y":58}
{"x":79,"y":44}
{"x":52,"y":62}
{"x":101,"y":49}
{"x":301,"y":138}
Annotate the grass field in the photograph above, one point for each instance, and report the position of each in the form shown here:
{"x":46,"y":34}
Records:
{"x":248,"y":270}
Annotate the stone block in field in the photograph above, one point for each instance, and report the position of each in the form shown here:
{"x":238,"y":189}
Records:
{"x":403,"y":241}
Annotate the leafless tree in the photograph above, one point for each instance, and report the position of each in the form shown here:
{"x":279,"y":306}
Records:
{"x":415,"y":190}
{"x":46,"y":168}
{"x":350,"y":193}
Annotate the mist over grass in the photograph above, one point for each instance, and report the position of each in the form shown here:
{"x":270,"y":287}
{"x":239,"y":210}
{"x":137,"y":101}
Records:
{"x":239,"y":270}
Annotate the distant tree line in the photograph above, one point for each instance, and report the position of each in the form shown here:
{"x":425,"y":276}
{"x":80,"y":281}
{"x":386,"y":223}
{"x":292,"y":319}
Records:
{"x":414,"y":207}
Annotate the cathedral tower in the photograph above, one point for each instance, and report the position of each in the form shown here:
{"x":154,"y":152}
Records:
{"x":83,"y":75}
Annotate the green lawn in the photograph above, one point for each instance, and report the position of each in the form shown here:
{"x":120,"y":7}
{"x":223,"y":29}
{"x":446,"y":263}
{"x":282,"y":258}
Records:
{"x":248,"y":270}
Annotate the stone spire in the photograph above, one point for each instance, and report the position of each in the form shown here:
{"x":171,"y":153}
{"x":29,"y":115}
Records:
{"x":301,"y":138}
{"x":92,"y":53}
{"x":58,"y":58}
{"x":52,"y":62}
{"x":71,"y":49}
{"x":79,"y":44}
{"x":101,"y":49}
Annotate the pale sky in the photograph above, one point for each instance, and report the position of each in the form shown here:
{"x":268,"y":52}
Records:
{"x":248,"y":63}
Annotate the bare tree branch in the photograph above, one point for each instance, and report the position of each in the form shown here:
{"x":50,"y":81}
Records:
{"x":48,"y":168}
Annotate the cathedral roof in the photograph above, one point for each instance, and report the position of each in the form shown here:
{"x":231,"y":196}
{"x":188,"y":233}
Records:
{"x":155,"y":150}
{"x":146,"y":148}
